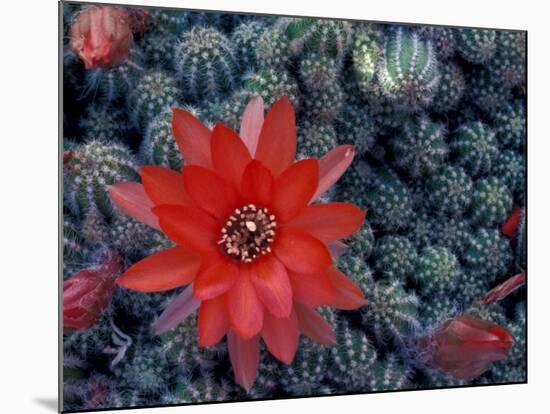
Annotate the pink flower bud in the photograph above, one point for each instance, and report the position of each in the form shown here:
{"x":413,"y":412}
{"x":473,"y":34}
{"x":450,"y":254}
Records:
{"x":101,"y":36}
{"x":466,"y":346}
{"x":87,"y":294}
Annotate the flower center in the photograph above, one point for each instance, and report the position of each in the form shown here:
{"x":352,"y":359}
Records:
{"x":248,"y":233}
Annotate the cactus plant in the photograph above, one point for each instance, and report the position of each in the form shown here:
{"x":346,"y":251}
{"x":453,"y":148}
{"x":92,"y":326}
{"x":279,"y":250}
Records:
{"x":271,"y":84}
{"x":450,"y":91}
{"x":409,"y":72}
{"x":102,"y":124}
{"x":486,"y":92}
{"x":394,"y":256}
{"x":390,"y":374}
{"x":318,"y":72}
{"x":390,"y":312}
{"x":158,"y":49}
{"x":450,"y":191}
{"x":421,"y":148}
{"x":366,"y":51}
{"x":361,"y":243}
{"x":437,"y":271}
{"x":452,"y":233}
{"x":476,"y":45}
{"x":491,"y":201}
{"x":245,"y":40}
{"x":475,"y":147}
{"x":206,"y":63}
{"x":315,"y":140}
{"x":93,"y":167}
{"x":74,"y":248}
{"x":510,"y":126}
{"x":488,"y":254}
{"x":351,"y":359}
{"x":324,"y":105}
{"x":508,"y":64}
{"x":389,"y":201}
{"x":272,"y":49}
{"x":326,"y":37}
{"x":443,"y":40}
{"x":154,"y":93}
{"x":159,"y":145}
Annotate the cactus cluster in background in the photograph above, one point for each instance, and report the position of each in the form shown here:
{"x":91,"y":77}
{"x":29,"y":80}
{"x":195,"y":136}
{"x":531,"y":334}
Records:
{"x":437,"y":117}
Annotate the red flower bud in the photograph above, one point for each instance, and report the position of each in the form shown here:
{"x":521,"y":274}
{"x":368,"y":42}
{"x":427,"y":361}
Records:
{"x":510,"y":227}
{"x":101,"y":36}
{"x":87,"y":294}
{"x":466,"y":346}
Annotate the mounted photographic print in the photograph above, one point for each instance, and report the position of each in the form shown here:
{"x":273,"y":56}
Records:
{"x":266,"y":207}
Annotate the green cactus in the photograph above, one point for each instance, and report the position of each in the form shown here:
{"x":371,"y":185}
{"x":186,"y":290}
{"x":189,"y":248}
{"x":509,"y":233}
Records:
{"x":75,"y":249}
{"x":272,"y":84}
{"x":159,"y":49}
{"x":206,"y":64}
{"x":159,"y":145}
{"x":354,"y":267}
{"x":95,"y":166}
{"x":318,"y":72}
{"x":450,"y":191}
{"x":229,"y":111}
{"x":202,"y":389}
{"x":488,"y":255}
{"x":326,"y":37}
{"x":486,"y":92}
{"x":366,"y":52}
{"x":315,"y":140}
{"x":102,"y":124}
{"x":476,"y":45}
{"x":272,"y":49}
{"x":245,"y":40}
{"x":510,"y":126}
{"x":355,"y":126}
{"x":450,"y":91}
{"x":351,"y":359}
{"x":421,"y":148}
{"x":130,"y":237}
{"x":475,"y":148}
{"x":361,"y":243}
{"x":442,"y":38}
{"x":509,"y":63}
{"x":154,"y":93}
{"x":422,"y":229}
{"x":409,"y":71}
{"x":394,"y":256}
{"x":324,"y":105}
{"x":390,"y":312}
{"x":389,"y":201}
{"x":491,"y":202}
{"x":452,"y":233}
{"x":390,"y":374}
{"x":308,"y":370}
{"x":437,"y":271}
{"x":437,"y":309}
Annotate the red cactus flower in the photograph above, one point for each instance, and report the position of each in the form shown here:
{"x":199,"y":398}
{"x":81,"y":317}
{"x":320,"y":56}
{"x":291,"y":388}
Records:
{"x":140,"y":20}
{"x":87,"y":293}
{"x":248,"y":238}
{"x":101,"y":36}
{"x":499,"y":292}
{"x":466,"y":346}
{"x":510,"y":227}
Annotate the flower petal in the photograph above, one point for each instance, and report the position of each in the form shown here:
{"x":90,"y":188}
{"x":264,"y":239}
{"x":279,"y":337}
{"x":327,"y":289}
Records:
{"x":313,"y":289}
{"x":337,"y":248}
{"x":300,"y":252}
{"x":348,"y":294}
{"x":165,"y":270}
{"x":313,"y":325}
{"x":277,"y":143}
{"x":211,"y":193}
{"x":177,"y":310}
{"x":192,"y":137}
{"x":329,"y":222}
{"x":213,"y":321}
{"x":270,"y":280}
{"x":165,"y":186}
{"x":294,"y":188}
{"x":257,"y":184}
{"x":246,"y":312}
{"x":215,"y":278}
{"x":251,"y":123}
{"x":332,"y":166}
{"x":281,"y":336}
{"x":132,"y":199}
{"x":229,"y":154}
{"x":245,"y":357}
{"x":189,"y":227}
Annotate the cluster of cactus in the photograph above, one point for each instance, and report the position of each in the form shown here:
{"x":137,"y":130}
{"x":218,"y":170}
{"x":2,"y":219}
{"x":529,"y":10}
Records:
{"x":438,"y":120}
